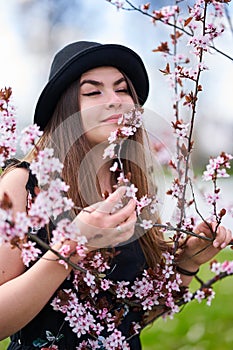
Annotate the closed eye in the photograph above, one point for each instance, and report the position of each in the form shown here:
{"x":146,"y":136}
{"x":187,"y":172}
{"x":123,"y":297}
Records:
{"x":92,"y":93}
{"x":123,"y":91}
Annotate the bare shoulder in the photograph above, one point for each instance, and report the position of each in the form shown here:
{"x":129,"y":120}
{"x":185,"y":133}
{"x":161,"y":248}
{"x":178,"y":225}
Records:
{"x":16,"y":174}
{"x":13,"y":183}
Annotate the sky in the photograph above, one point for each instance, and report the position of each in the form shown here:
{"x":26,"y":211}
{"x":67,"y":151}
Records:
{"x":32,"y":30}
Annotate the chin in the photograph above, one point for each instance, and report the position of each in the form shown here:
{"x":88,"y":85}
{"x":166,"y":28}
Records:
{"x":101,"y":134}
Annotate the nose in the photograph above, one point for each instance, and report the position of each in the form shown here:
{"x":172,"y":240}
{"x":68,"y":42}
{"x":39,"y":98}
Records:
{"x":114,"y":100}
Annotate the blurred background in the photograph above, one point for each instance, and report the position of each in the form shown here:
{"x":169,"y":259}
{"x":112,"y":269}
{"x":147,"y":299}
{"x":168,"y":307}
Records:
{"x":31,"y":31}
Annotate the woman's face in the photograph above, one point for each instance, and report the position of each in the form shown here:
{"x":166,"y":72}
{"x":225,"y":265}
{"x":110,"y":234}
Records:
{"x":104,"y":97}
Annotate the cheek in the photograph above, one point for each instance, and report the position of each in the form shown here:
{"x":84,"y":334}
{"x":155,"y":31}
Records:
{"x":128,"y":100}
{"x":86,"y":120}
{"x":90,"y":117}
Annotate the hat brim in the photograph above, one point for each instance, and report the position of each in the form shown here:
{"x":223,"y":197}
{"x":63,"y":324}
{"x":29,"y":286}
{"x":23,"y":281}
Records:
{"x":114,"y":55}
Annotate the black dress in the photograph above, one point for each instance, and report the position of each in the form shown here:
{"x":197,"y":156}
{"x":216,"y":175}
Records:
{"x":49,"y":328}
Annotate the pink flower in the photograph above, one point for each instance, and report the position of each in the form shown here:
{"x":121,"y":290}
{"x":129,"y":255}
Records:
{"x":29,"y":137}
{"x":115,"y":341}
{"x":227,"y":266}
{"x":200,"y":295}
{"x":187,"y":297}
{"x":106,"y":284}
{"x":146,"y":224}
{"x":122,"y":289}
{"x":114,"y":167}
{"x":103,"y":313}
{"x":98,"y":263}
{"x":89,"y":279}
{"x":176,"y":189}
{"x":8,"y":139}
{"x":29,"y":252}
{"x":127,"y":131}
{"x":21,"y":224}
{"x":169,"y":258}
{"x":210,"y":297}
{"x":113,"y":136}
{"x":136,"y":327}
{"x":44,"y":165}
{"x":131,"y":190}
{"x":109,"y":151}
{"x":142,"y":203}
{"x":212,"y":198}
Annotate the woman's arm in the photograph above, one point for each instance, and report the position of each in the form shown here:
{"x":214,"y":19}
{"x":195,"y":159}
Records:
{"x":22,"y":298}
{"x":24,"y":294}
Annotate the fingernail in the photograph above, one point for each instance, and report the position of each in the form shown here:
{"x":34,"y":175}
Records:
{"x":223,"y":245}
{"x":216,"y":244}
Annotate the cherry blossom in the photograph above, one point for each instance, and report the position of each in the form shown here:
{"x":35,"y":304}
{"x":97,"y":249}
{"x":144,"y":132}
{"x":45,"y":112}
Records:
{"x":109,"y":151}
{"x":130,"y":191}
{"x":44,"y":165}
{"x":7,"y":126}
{"x":146,"y":224}
{"x":29,"y":137}
{"x":200,"y":295}
{"x":187,"y":296}
{"x":89,"y":279}
{"x":29,"y":252}
{"x":217,"y":167}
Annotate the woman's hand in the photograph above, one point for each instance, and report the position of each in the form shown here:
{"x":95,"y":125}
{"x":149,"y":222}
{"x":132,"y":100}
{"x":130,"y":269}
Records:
{"x":198,"y":251}
{"x":104,"y":227}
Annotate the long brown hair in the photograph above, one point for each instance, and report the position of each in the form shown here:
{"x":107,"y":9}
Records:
{"x":79,"y":172}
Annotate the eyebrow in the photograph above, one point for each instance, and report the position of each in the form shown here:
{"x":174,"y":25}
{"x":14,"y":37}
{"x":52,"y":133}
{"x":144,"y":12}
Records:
{"x":99,"y":83}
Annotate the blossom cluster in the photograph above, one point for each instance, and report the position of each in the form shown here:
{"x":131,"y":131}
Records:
{"x":200,"y":295}
{"x":29,"y":136}
{"x":165,"y":13}
{"x":225,"y":267}
{"x":7,"y":126}
{"x":128,"y":124}
{"x":217,"y":167}
{"x":50,"y":202}
{"x":90,"y":317}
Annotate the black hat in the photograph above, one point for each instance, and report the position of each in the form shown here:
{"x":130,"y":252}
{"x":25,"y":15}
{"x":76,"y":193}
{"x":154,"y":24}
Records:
{"x":75,"y":59}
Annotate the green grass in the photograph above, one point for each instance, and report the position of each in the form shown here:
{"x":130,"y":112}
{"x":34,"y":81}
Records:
{"x":197,"y":326}
{"x":3,"y":344}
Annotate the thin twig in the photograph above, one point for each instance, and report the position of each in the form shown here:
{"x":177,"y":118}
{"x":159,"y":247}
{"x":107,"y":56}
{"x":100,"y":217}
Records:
{"x":191,"y":233}
{"x":47,"y":247}
{"x":134,"y":8}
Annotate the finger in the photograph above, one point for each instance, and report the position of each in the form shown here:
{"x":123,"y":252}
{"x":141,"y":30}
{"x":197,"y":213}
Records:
{"x":223,"y":238}
{"x":204,"y":227}
{"x":131,"y":221}
{"x":125,"y":231}
{"x":108,"y":204}
{"x":114,"y":198}
{"x":220,"y":239}
{"x":123,"y":214}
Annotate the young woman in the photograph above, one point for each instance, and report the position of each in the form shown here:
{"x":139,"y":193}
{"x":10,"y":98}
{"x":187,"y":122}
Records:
{"x":90,"y":87}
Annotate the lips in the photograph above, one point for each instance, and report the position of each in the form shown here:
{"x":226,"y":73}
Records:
{"x":112,"y":118}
